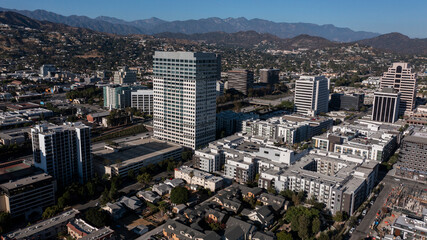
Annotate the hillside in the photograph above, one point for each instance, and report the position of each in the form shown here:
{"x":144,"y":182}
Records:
{"x":398,"y":43}
{"x":227,"y":25}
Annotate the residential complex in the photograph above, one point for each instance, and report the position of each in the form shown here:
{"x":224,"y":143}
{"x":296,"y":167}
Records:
{"x":185,"y":97}
{"x":231,"y":122}
{"x":142,"y":100}
{"x":241,"y":80}
{"x":413,"y":155}
{"x":124,"y":76}
{"x":386,"y":105}
{"x":288,"y":129}
{"x":63,"y":151}
{"x":27,"y":195}
{"x":311,"y":95}
{"x":403,"y":79}
{"x":199,"y":178}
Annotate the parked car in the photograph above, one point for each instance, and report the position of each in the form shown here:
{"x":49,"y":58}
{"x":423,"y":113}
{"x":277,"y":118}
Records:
{"x":351,"y":230}
{"x":364,"y":212}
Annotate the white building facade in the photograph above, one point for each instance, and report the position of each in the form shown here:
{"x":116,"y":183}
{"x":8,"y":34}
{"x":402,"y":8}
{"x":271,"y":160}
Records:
{"x":311,"y":95}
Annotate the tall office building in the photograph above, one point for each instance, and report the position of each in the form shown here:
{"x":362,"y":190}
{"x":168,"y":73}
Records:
{"x":269,"y":76}
{"x":143,"y":100}
{"x":63,"y":152}
{"x":117,"y":97}
{"x":124,"y":76}
{"x":403,"y":79}
{"x":311,"y":95}
{"x":241,"y":80}
{"x":386,"y":105}
{"x":184,"y":86}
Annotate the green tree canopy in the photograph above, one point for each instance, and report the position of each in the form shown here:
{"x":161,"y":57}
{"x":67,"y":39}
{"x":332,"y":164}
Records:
{"x":179,"y":195}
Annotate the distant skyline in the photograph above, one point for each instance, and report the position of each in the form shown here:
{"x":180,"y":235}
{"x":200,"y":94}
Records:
{"x":381,"y":16}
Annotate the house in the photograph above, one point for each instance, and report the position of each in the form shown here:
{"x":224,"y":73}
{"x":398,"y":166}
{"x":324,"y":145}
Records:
{"x":234,"y":233}
{"x":116,"y":210}
{"x":247,"y":228}
{"x":248,"y":192}
{"x":276,"y":202}
{"x":233,"y":205}
{"x":216,"y":216}
{"x":179,"y":208}
{"x":161,"y":189}
{"x":263,"y":215}
{"x":149,"y":196}
{"x":176,"y":182}
{"x":262,"y":236}
{"x":175,"y":230}
{"x":133,"y":203}
{"x":140,"y":229}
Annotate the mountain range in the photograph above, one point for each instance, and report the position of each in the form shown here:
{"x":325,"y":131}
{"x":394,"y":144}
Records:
{"x":392,"y":42}
{"x":228,"y":25}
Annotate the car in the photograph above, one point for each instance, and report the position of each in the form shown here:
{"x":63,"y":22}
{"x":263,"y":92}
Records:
{"x":351,"y":230}
{"x":372,"y":203}
{"x":364,"y":212}
{"x":397,"y":179}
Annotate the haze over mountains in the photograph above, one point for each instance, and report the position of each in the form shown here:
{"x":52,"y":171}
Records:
{"x":228,"y":25}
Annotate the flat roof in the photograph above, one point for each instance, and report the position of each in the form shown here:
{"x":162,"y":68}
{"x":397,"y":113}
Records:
{"x":136,"y":151}
{"x":25,"y":181}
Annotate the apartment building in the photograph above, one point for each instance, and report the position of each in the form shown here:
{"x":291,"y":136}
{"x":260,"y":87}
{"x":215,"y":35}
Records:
{"x":401,"y":77}
{"x":231,"y":122}
{"x":209,"y":159}
{"x":63,"y":151}
{"x":413,"y":155}
{"x":143,"y":100}
{"x":184,"y":86}
{"x":311,"y":95}
{"x":27,"y":195}
{"x":199,"y":178}
{"x":117,"y":97}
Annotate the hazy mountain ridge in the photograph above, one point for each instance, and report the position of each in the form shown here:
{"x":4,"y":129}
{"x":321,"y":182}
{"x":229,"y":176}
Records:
{"x":228,"y":25}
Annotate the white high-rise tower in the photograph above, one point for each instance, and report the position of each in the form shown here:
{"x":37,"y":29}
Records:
{"x":184,"y":87}
{"x":311,"y":95}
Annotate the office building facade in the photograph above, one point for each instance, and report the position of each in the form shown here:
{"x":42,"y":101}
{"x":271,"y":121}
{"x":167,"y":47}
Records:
{"x":403,"y":79}
{"x":311,"y":95}
{"x":269,"y":76}
{"x":117,"y":97}
{"x":386,"y":106}
{"x":184,"y":85}
{"x":63,"y":152}
{"x":241,"y":80}
{"x":124,"y":76}
{"x":143,"y":100}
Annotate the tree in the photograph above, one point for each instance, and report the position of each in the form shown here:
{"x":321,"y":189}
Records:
{"x":315,"y":226}
{"x":97,"y":217}
{"x":340,"y":216}
{"x":284,"y":236}
{"x":144,"y":178}
{"x":131,"y":173}
{"x":186,"y":155}
{"x":179,"y":195}
{"x":304,"y":230}
{"x":162,"y":207}
{"x":323,"y":236}
{"x":50,"y":212}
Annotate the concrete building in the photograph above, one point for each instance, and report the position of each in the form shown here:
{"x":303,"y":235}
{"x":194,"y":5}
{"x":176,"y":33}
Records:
{"x":269,"y":76}
{"x":184,"y":86}
{"x":288,"y":128}
{"x":47,"y":229}
{"x":311,"y":95}
{"x":386,"y":106}
{"x":343,"y":187}
{"x":408,"y":227}
{"x":241,"y":80}
{"x":413,"y":156}
{"x":219,"y":88}
{"x":231,"y":122}
{"x":209,"y":159}
{"x":63,"y":152}
{"x":199,"y":178}
{"x":403,"y":79}
{"x":143,"y":100}
{"x":118,"y":161}
{"x":124,"y":76}
{"x":27,"y":195}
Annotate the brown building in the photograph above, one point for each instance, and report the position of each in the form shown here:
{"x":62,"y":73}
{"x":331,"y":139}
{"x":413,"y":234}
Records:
{"x":241,"y":80}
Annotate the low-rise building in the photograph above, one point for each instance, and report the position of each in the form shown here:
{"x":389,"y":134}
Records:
{"x":231,"y":122}
{"x":407,"y":227}
{"x":142,"y":100}
{"x":199,"y":178}
{"x":78,"y":228}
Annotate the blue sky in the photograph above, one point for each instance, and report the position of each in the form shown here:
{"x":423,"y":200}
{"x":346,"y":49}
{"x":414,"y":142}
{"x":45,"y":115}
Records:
{"x":382,"y":16}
